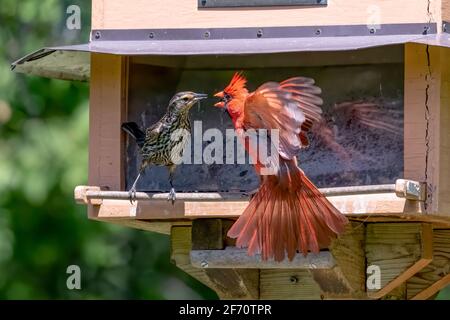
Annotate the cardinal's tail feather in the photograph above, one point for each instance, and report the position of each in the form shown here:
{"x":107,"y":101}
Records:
{"x":279,"y":221}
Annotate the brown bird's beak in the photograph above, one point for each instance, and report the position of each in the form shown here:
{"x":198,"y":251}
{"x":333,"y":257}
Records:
{"x":200,"y":96}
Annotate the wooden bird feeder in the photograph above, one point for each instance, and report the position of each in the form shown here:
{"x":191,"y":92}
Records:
{"x":392,"y":181}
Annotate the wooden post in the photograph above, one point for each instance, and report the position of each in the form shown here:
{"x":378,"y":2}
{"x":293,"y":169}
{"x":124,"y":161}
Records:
{"x":228,"y":283}
{"x":180,"y":247}
{"x":427,"y":122}
{"x":208,"y":234}
{"x":347,"y":278}
{"x":108,"y":101}
{"x":108,"y":107}
{"x":443,"y":188}
{"x":400,"y":251}
{"x":446,"y":10}
{"x":436,"y":275}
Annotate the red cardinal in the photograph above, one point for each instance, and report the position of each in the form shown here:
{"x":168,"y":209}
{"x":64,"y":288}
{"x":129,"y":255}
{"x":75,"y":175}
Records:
{"x":288,"y":213}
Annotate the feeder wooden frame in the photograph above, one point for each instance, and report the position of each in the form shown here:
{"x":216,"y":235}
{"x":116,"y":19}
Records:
{"x":426,"y":94}
{"x":140,"y":14}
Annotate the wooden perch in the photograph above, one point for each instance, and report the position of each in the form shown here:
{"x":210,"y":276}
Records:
{"x":378,"y":203}
{"x":377,"y":199}
{"x":407,"y":189}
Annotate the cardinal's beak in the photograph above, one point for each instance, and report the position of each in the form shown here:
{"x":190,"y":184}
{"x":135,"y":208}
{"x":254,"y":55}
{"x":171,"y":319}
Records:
{"x":221,"y":103}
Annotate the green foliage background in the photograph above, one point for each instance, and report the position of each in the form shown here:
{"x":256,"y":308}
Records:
{"x":43,"y":155}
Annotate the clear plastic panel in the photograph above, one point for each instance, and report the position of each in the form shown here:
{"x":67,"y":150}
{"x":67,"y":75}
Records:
{"x":359,"y":142}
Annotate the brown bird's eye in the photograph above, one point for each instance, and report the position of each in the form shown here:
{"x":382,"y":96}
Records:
{"x":186,"y":99}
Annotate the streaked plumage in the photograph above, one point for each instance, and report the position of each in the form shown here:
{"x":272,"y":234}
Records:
{"x":163,"y":143}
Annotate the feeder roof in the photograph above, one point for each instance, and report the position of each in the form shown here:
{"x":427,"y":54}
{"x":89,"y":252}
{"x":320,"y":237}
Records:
{"x":73,"y":62}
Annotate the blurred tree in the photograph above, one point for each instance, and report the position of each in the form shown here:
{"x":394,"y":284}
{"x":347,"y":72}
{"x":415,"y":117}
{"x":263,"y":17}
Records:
{"x":43,"y":155}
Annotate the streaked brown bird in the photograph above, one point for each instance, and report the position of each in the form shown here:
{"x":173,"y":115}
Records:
{"x":163,"y":143}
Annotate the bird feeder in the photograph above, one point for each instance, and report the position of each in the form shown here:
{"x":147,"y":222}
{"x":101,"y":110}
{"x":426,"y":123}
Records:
{"x":392,"y":178}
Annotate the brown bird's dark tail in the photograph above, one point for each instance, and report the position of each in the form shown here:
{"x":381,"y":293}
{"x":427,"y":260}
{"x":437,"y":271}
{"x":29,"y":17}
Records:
{"x":286,"y":215}
{"x":134,"y":131}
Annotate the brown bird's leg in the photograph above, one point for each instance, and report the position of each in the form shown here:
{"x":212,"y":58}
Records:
{"x":172,"y":194}
{"x":132,"y":191}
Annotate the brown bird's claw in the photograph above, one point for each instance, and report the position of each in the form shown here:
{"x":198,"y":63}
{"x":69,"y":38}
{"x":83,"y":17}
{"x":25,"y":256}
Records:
{"x":132,"y":195}
{"x":172,"y":196}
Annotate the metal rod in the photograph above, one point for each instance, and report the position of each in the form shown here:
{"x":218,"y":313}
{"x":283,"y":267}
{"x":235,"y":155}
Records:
{"x":342,"y":191}
{"x":230,"y":196}
{"x":151,"y":196}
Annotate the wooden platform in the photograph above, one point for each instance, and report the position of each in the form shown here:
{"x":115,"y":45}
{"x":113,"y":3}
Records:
{"x":390,"y":231}
{"x":400,"y":202}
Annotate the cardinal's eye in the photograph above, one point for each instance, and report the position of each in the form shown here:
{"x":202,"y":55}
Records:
{"x":226,"y":97}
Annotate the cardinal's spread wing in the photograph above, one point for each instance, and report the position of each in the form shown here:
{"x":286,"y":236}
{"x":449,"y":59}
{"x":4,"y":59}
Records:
{"x":291,"y":107}
{"x":370,"y":115}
